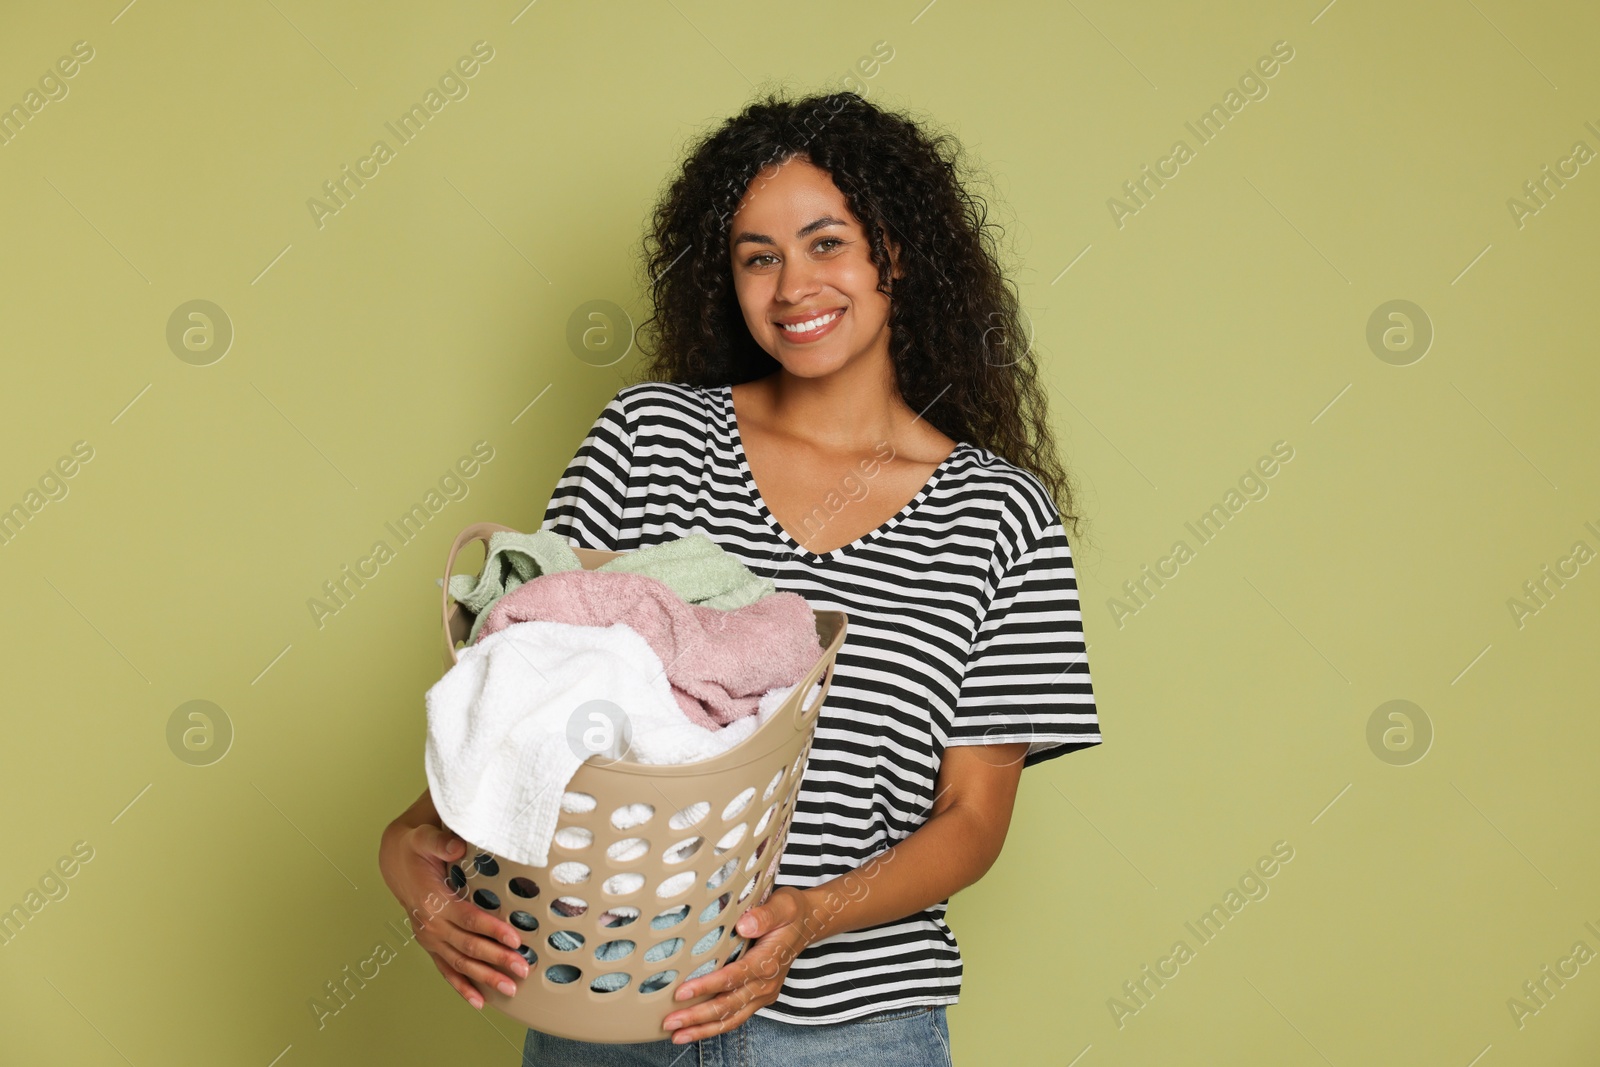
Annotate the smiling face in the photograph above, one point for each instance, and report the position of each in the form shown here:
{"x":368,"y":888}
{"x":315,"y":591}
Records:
{"x":800,"y":257}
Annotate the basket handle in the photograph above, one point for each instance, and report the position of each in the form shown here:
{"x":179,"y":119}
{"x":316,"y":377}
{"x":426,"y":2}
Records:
{"x":478,"y":531}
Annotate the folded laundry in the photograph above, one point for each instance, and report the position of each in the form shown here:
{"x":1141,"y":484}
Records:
{"x":719,"y":662}
{"x":695,"y":568}
{"x":498,"y":755}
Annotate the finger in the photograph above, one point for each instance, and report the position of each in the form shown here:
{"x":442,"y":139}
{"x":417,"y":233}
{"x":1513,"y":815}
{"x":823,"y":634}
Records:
{"x":486,"y":949}
{"x":456,"y":979}
{"x":752,"y":923}
{"x":780,"y":909}
{"x":738,"y":985}
{"x":474,"y":918}
{"x":762,"y":961}
{"x":456,"y":949}
{"x":721,"y":980}
{"x":721,"y":1014}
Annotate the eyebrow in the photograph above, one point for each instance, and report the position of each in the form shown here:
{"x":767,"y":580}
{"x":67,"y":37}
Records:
{"x":807,"y":229}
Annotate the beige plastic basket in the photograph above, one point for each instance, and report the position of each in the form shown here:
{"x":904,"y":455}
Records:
{"x":713,"y":869}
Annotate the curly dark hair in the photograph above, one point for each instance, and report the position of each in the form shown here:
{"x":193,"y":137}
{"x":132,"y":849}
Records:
{"x":960,"y":352}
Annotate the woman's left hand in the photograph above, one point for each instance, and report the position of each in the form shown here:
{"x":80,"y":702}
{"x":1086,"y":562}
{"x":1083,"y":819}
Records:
{"x":753,"y":980}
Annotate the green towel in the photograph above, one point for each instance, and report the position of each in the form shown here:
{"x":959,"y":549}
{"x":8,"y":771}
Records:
{"x":696,"y":570}
{"x":512,"y":559}
{"x":693,"y":567}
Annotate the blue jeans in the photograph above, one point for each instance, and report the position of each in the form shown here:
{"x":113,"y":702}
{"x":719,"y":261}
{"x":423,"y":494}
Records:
{"x":904,"y":1037}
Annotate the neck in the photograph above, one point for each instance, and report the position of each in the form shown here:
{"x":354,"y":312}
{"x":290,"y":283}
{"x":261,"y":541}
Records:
{"x":849,"y":410}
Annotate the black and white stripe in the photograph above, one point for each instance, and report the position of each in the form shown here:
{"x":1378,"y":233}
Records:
{"x":964,"y":629}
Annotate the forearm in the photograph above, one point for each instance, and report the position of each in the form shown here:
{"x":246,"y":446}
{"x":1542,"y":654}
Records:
{"x":949,"y":852}
{"x":420,"y":813}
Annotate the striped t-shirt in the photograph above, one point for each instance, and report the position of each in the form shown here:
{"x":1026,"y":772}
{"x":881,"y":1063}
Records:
{"x":964,"y":630}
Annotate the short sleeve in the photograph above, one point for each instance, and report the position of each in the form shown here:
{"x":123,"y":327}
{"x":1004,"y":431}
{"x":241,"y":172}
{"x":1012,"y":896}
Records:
{"x":587,"y":507}
{"x":1027,"y":678}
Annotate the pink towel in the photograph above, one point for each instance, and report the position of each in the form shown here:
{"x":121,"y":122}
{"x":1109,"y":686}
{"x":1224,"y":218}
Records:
{"x":719,"y":663}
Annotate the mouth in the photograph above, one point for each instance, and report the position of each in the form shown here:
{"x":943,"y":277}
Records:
{"x":812,"y":328}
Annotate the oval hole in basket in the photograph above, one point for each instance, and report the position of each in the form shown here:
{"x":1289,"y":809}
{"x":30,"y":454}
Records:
{"x":526,"y":888}
{"x":486,"y":899}
{"x":657,"y":981}
{"x":723,"y":873}
{"x":621,"y":915}
{"x":683,"y":849}
{"x":713,"y":909}
{"x":570,"y":872}
{"x":630,"y":815}
{"x":676,"y":884}
{"x":574,"y":803}
{"x":766,"y":817}
{"x":705,"y":968}
{"x":563,"y":973}
{"x":486,"y":864}
{"x":684,"y":818}
{"x":529,"y":955}
{"x":707,"y":942}
{"x":657,"y":953}
{"x":611,"y":983}
{"x":574,"y":837}
{"x":569,"y":907}
{"x":670,"y":918}
{"x":772,"y":786}
{"x":619,"y":949}
{"x":620,"y":885}
{"x":731,"y":839}
{"x":523,"y":920}
{"x":737,"y":805}
{"x":628,"y":849}
{"x":749,"y":887}
{"x":565,"y":940}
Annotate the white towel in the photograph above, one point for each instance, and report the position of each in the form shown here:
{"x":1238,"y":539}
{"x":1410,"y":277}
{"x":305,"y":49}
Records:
{"x":498,"y":756}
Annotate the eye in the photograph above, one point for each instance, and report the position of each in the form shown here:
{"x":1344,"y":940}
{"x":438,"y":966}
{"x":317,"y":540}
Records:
{"x":755,"y":260}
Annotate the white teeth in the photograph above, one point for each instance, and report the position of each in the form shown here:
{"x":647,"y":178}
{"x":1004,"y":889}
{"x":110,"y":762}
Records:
{"x":807,"y":327}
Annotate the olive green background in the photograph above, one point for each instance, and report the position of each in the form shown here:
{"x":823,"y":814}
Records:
{"x":1230,"y":312}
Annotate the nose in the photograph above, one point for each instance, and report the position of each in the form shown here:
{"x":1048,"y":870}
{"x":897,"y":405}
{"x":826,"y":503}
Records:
{"x":798,"y":279}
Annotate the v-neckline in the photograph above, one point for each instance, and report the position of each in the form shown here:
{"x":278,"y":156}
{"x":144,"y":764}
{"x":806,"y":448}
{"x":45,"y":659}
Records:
{"x":731,"y":426}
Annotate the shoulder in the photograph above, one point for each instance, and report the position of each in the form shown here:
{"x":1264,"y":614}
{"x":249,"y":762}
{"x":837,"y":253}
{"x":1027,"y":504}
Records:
{"x":649,"y":403}
{"x":1020,"y":502}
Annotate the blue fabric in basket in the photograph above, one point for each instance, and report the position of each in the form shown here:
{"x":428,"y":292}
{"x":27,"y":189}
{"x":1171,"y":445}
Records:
{"x":566,"y":941}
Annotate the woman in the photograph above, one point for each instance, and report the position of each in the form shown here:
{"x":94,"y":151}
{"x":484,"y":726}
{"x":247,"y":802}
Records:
{"x":838,"y":370}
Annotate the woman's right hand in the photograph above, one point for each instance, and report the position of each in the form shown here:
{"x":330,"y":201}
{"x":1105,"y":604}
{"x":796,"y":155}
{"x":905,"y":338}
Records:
{"x":462,"y":938}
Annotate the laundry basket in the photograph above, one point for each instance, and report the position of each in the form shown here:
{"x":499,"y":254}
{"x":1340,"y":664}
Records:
{"x":656,"y":901}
